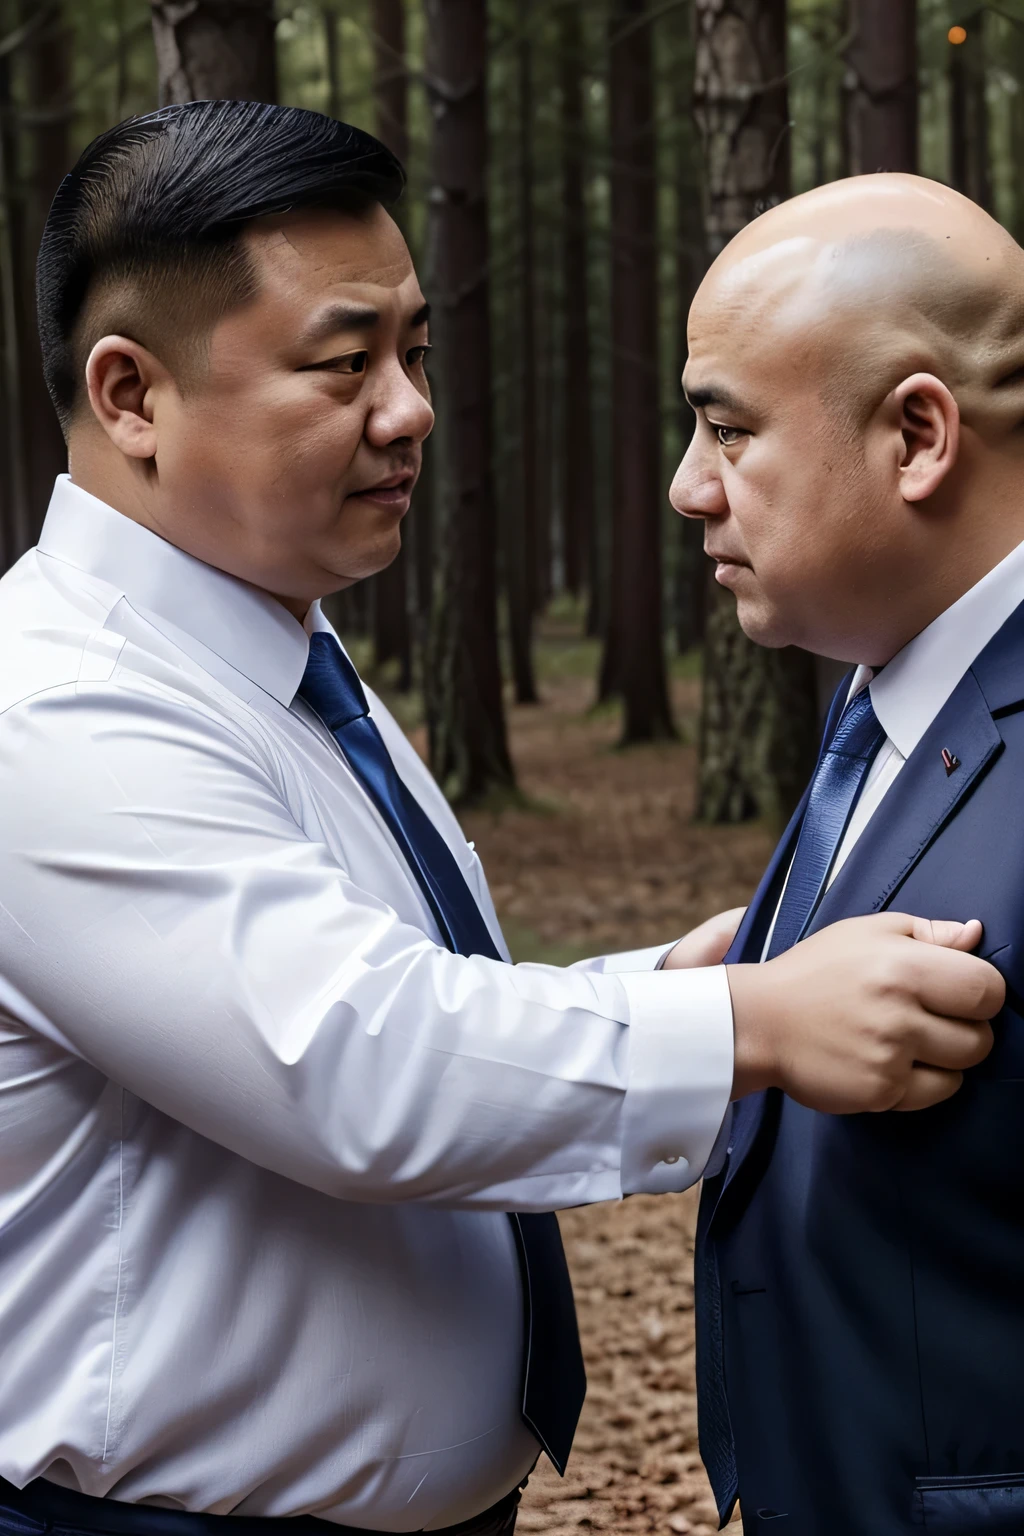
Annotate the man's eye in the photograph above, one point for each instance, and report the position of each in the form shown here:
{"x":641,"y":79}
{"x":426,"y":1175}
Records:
{"x":351,"y":362}
{"x":417,"y":355}
{"x":729,"y":436}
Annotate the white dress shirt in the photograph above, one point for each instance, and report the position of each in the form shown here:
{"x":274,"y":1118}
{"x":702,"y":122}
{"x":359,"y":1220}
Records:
{"x":908,"y":693}
{"x":258,"y":1124}
{"x":906,"y":696}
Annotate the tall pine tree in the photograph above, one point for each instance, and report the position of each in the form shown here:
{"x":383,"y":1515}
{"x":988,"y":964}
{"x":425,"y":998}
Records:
{"x":466,"y":721}
{"x":633,"y":665}
{"x":759,"y":711}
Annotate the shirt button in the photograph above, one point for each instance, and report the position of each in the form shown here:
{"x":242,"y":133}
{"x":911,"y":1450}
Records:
{"x":673,"y":1158}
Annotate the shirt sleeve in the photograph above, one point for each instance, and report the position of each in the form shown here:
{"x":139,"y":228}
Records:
{"x":164,"y":918}
{"x":649,"y":959}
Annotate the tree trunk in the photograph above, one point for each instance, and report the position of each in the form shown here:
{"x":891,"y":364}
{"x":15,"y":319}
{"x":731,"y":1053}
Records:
{"x":968,"y":115}
{"x":881,"y":88}
{"x":577,"y":408}
{"x":332,"y":58}
{"x":634,"y":658}
{"x":50,"y":90}
{"x":759,"y":727}
{"x":521,"y":533}
{"x":215,"y":50}
{"x":469,"y":747}
{"x":545,"y":255}
{"x":759,"y":709}
{"x":390,"y":76}
{"x":1015,"y":65}
{"x":419,"y":538}
{"x":15,"y":521}
{"x":392,"y":632}
{"x":691,"y":565}
{"x":847,"y":88}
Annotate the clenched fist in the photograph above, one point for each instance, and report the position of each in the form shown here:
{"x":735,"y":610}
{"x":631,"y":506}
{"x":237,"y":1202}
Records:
{"x":874,"y":1013}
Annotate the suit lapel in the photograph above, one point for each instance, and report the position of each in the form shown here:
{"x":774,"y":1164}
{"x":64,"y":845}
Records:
{"x":922,"y":799}
{"x":748,"y":945}
{"x":920,"y":802}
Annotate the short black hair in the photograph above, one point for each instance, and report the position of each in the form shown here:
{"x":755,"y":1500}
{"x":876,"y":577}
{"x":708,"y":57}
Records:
{"x":152,"y":217}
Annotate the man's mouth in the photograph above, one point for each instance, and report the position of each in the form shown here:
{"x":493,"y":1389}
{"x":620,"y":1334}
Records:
{"x":727,"y":566}
{"x":392,"y":491}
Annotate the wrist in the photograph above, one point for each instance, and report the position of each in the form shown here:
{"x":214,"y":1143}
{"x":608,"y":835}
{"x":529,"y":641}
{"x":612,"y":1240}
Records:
{"x":755,"y":1029}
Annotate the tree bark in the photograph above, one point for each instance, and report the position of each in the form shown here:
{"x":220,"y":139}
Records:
{"x":390,"y":76}
{"x":392,"y":631}
{"x":332,"y":58}
{"x":968,"y":115}
{"x":468,"y":743}
{"x":759,"y":725}
{"x":545,"y":256}
{"x":577,"y":408}
{"x":690,"y":583}
{"x":742,"y":108}
{"x":15,"y":522}
{"x":419,"y":540}
{"x":50,"y":89}
{"x":881,"y":86}
{"x":215,"y":50}
{"x":759,"y":707}
{"x":521,"y":533}
{"x":1015,"y":65}
{"x":634,"y":658}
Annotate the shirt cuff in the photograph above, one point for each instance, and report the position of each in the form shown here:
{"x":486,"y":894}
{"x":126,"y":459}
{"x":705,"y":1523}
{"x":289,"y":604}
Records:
{"x":650,"y":959}
{"x":680,"y":1076}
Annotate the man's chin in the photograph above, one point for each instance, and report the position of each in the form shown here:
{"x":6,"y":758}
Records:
{"x":760,"y":624}
{"x":362,"y":564}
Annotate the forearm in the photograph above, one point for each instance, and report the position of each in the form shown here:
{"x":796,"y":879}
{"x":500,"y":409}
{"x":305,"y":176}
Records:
{"x":223,"y":968}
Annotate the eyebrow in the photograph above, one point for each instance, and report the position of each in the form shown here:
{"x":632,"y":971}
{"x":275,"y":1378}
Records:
{"x":350,"y":317}
{"x":712,"y":394}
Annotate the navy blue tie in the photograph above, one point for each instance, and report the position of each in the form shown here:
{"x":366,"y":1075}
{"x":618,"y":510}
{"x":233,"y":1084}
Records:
{"x":837,"y":784}
{"x":554,"y":1381}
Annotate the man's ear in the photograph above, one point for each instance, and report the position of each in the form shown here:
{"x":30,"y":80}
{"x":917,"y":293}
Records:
{"x":930,"y":423}
{"x":120,"y":376}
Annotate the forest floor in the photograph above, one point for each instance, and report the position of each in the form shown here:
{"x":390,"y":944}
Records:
{"x":604,"y":856}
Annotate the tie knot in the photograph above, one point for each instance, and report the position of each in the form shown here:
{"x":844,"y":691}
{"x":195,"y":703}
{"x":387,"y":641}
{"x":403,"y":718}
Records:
{"x":858,"y":733}
{"x":330,"y":684}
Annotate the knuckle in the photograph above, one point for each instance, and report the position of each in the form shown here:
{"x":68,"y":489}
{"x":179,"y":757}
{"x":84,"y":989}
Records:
{"x":885,"y":1088}
{"x":984,"y":988}
{"x":887,"y":975}
{"x":983,"y":1041}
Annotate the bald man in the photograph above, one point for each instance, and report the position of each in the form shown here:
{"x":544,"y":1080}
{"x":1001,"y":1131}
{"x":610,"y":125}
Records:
{"x":856,"y":365}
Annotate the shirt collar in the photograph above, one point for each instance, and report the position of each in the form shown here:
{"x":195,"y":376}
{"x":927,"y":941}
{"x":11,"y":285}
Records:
{"x":908,"y":693}
{"x":245,"y":627}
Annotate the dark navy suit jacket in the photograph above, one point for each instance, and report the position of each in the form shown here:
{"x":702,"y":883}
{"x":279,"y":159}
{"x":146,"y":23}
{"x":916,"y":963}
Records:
{"x":860,"y":1279}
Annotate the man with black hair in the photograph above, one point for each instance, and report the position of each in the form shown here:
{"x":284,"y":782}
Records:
{"x":269,"y":1086}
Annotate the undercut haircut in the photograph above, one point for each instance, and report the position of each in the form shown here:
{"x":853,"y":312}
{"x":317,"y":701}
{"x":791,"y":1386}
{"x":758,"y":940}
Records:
{"x":145,"y":235}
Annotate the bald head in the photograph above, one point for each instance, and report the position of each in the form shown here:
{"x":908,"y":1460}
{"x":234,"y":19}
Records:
{"x":856,"y":362}
{"x":877,"y":277}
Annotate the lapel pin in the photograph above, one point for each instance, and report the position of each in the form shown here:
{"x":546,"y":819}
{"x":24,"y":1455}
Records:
{"x":950,"y":761}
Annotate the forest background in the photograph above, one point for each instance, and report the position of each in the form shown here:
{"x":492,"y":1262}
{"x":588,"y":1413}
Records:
{"x":550,"y":635}
{"x":573,"y":166}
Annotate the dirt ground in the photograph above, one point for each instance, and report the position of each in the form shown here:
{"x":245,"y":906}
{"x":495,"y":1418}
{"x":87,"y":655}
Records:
{"x":610,"y":859}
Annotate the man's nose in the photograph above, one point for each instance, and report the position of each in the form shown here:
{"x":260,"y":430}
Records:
{"x":400,"y":410}
{"x":697,"y":489}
